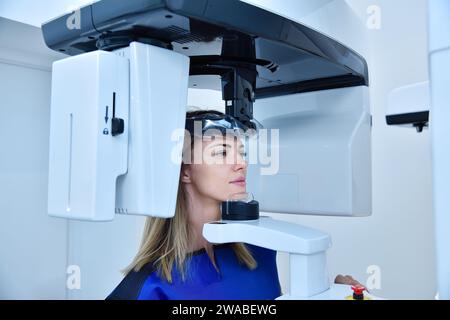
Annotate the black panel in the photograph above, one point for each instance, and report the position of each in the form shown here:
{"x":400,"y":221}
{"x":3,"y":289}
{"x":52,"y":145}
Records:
{"x":285,"y":56}
{"x":408,"y":118}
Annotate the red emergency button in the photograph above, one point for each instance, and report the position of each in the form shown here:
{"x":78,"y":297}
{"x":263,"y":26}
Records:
{"x":358,"y":292}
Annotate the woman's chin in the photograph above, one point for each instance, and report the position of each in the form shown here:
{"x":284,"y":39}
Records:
{"x":238,"y":189}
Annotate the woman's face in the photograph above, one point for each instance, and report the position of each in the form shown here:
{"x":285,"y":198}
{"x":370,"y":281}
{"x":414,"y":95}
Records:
{"x":222,"y":169}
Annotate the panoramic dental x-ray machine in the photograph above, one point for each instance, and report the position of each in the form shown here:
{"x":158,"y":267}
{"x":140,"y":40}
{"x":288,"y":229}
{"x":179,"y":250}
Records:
{"x":122,"y":93}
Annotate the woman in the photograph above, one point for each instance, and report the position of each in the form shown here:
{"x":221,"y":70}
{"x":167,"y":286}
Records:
{"x":174,"y":260}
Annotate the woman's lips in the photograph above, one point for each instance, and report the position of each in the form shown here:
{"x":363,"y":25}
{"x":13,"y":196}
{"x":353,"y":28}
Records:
{"x":239,"y":182}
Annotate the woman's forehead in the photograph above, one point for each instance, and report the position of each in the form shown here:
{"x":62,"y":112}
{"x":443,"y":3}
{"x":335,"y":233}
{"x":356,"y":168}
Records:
{"x":227,"y":140}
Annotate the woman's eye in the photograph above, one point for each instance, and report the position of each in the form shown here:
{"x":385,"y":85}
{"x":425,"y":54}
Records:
{"x":220,"y":153}
{"x":243,"y":154}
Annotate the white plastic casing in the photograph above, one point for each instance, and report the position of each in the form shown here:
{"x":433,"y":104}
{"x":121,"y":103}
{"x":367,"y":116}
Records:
{"x":93,"y":175}
{"x":409,"y":99}
{"x":439,"y":54}
{"x":324,"y":149}
{"x":306,"y":246}
{"x":158,"y":100}
{"x":85,"y":159}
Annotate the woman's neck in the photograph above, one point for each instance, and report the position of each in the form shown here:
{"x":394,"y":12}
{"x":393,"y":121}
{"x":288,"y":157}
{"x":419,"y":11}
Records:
{"x":200,"y":211}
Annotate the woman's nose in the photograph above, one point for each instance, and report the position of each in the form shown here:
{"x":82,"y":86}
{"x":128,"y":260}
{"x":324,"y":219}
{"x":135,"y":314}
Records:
{"x":241,"y":164}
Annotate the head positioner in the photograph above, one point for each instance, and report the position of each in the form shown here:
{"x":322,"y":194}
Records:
{"x":212,"y":122}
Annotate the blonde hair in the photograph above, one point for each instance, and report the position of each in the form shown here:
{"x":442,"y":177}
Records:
{"x":165,"y":242}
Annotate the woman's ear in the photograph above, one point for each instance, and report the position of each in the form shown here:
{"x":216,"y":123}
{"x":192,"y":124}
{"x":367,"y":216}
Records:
{"x":186,"y":174}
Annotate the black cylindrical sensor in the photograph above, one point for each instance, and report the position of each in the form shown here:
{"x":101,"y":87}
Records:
{"x":240,"y":210}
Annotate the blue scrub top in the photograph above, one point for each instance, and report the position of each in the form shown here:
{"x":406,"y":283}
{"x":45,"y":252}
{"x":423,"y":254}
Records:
{"x":234,"y":282}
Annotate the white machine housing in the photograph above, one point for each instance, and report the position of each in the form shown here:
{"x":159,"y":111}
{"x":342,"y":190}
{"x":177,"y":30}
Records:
{"x":409,"y":99}
{"x":85,"y":159}
{"x":324,"y":153}
{"x":409,"y":106}
{"x":307,"y":249}
{"x":439,"y":58}
{"x":92,"y":174}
